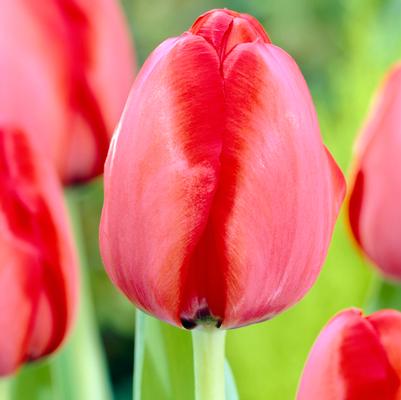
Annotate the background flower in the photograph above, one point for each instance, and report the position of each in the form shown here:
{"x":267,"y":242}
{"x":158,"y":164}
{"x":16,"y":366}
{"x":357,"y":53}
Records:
{"x":38,"y":265}
{"x":355,"y":357}
{"x":65,"y":73}
{"x":374,"y":204}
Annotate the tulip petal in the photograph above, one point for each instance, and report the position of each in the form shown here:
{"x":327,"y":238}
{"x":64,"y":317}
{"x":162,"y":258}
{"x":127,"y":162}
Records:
{"x":348,"y":361}
{"x":171,"y":145}
{"x":274,"y":160}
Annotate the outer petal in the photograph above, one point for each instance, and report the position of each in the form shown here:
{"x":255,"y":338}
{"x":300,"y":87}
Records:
{"x":161,"y":174}
{"x":279,"y":191}
{"x":374,"y":205}
{"x":348,"y":361}
{"x":33,"y":218}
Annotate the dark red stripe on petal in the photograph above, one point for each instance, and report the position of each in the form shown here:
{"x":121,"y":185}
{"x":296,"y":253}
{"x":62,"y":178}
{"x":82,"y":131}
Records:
{"x":199,"y":120}
{"x":355,"y":205}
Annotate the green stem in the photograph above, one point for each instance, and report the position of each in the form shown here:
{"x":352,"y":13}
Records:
{"x":139,"y":352}
{"x":79,"y":369}
{"x":208,"y":346}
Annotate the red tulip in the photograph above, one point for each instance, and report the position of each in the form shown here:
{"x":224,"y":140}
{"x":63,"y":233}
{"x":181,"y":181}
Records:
{"x":220,"y":196}
{"x":37,"y":261}
{"x":65,"y":72}
{"x":355,"y":358}
{"x":374,"y":206}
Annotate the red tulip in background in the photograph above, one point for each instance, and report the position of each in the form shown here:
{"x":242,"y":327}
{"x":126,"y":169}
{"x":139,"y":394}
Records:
{"x":37,"y":261}
{"x":375,"y":202}
{"x":355,"y":358}
{"x":220,"y":197}
{"x":65,"y":72}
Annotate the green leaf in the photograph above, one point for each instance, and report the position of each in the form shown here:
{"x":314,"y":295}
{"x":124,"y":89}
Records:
{"x":33,"y":382}
{"x":167,"y":370}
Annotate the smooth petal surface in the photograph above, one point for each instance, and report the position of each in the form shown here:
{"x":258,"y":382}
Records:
{"x":38,"y":268}
{"x":220,"y":198}
{"x":352,"y":359}
{"x":55,"y":78}
{"x":374,"y":205}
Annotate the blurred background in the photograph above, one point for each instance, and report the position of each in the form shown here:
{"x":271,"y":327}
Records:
{"x":343,"y":48}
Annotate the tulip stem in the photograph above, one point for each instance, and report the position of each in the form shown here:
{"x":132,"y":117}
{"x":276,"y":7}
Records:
{"x":209,"y":347}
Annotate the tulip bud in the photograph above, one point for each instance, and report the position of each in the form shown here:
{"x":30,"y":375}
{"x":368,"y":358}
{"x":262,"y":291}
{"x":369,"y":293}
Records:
{"x":65,"y":72}
{"x":220,"y":197}
{"x":356,"y":358}
{"x":37,"y":261}
{"x":374,"y":205}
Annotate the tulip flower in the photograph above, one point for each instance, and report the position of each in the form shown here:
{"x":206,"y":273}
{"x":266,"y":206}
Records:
{"x":37,"y":260}
{"x":355,"y":358}
{"x":66,"y":69}
{"x":374,"y":205}
{"x":220,"y":197}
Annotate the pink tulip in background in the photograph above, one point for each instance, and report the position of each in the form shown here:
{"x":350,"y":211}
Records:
{"x":356,"y":358}
{"x":220,"y":197}
{"x":375,"y":201}
{"x":37,"y":260}
{"x":66,"y":68}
